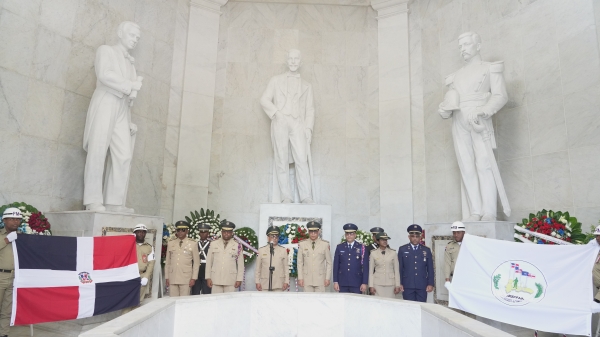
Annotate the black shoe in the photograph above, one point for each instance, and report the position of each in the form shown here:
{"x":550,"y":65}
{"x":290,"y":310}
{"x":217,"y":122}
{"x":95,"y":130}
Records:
{"x":595,"y":300}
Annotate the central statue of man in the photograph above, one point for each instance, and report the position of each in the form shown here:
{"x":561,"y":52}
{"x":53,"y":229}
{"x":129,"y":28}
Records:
{"x":288,"y":101}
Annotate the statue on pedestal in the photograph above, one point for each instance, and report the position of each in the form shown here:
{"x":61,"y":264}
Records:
{"x":475,"y":93}
{"x":288,"y":101}
{"x":108,"y":125}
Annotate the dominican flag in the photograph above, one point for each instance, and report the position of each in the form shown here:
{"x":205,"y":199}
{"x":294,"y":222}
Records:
{"x":61,"y":278}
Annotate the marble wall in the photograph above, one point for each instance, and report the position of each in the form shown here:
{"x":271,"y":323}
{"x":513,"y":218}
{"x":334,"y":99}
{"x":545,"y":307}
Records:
{"x":47,"y":79}
{"x":339,"y":54}
{"x":548,"y":139}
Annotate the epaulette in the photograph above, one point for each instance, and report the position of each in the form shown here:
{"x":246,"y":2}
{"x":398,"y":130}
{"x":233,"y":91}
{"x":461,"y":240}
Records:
{"x":391,"y":249}
{"x":324,"y":240}
{"x":497,"y":67}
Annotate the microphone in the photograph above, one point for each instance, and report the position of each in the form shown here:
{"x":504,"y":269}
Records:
{"x":271,"y":244}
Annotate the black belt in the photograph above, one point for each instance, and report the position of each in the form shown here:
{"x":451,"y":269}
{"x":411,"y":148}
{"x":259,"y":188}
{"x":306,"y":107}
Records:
{"x":6,"y":271}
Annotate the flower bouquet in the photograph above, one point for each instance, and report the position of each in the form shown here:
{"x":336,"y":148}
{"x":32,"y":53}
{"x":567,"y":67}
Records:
{"x":366,"y":238}
{"x":292,"y":234}
{"x":168,"y":234}
{"x":196,"y":218}
{"x":249,"y":240}
{"x":33,"y":222}
{"x":557,"y":225}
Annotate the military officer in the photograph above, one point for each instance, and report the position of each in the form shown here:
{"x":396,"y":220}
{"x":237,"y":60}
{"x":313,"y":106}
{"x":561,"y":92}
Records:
{"x":596,"y":270}
{"x":452,"y":249}
{"x":384,"y":272}
{"x":279,"y":261}
{"x":12,"y":220}
{"x":350,"y":264}
{"x":416,"y":267}
{"x":314,"y":261}
{"x":374,"y":232}
{"x":145,"y":259}
{"x":182,"y":262}
{"x":225,"y":261}
{"x":203,"y":245}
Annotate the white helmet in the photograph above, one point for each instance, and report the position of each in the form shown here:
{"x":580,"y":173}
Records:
{"x":12,"y":212}
{"x":597,"y":231}
{"x":140,"y":227}
{"x":457,"y":226}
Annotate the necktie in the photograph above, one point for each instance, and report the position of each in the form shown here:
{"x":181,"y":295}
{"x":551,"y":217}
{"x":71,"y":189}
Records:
{"x":313,"y":245}
{"x":383,"y":252}
{"x":414,"y":247}
{"x":180,"y":242}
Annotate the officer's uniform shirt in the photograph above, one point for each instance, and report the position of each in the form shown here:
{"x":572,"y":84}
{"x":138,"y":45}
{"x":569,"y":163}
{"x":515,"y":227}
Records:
{"x":416,"y":269}
{"x":596,"y":277}
{"x":384,"y":268}
{"x":314,"y":265}
{"x":145,"y":266}
{"x":7,"y":275}
{"x":225,"y":263}
{"x":281,"y":274}
{"x":450,"y":257}
{"x":351,"y":264}
{"x":182,"y":262}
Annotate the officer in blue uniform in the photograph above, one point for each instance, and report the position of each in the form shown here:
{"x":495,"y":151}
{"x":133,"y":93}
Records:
{"x":416,"y":267}
{"x":350,"y":264}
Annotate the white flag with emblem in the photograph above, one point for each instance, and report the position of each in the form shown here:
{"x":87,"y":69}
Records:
{"x":541,"y":287}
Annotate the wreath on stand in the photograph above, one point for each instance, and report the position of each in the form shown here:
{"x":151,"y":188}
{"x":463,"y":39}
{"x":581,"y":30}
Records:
{"x":33,"y":222}
{"x":362,"y":237}
{"x":549,"y":227}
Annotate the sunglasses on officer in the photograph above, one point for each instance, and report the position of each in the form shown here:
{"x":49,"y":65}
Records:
{"x":182,"y":229}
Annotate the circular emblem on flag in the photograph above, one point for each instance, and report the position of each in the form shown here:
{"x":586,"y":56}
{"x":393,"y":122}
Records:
{"x":84,"y":277}
{"x":518,"y":283}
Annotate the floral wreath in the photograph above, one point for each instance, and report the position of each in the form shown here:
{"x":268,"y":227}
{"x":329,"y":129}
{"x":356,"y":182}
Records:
{"x":365,"y":238}
{"x":555,"y":225}
{"x":196,"y":218}
{"x":292,"y":234}
{"x":33,"y":222}
{"x":248,"y":236}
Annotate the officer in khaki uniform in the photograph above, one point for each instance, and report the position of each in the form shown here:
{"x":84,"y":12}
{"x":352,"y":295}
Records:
{"x":314,"y":261}
{"x":145,"y":259}
{"x":12,"y":220}
{"x":374,"y":231}
{"x":452,"y":249}
{"x":281,"y":274}
{"x":225,"y":262}
{"x":596,"y":270}
{"x":384,"y":272}
{"x":182,"y":262}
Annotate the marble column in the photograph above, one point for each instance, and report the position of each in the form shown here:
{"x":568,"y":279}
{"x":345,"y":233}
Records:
{"x":193,"y":160}
{"x":394,"y":117}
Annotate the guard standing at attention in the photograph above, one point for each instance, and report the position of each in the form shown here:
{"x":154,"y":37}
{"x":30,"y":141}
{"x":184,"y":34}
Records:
{"x":314,"y":261}
{"x":350,"y":264}
{"x":416,"y":267}
{"x":201,"y":287}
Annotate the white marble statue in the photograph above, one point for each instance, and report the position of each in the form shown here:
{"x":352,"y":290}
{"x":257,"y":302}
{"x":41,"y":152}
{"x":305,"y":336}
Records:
{"x":108,"y":125}
{"x":288,"y":101}
{"x":475,"y":93}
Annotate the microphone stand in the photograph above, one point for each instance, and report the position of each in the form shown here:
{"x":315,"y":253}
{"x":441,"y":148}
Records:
{"x":271,"y":268}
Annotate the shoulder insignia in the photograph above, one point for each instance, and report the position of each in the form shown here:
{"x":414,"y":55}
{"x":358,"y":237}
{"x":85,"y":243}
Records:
{"x":449,"y":79}
{"x":391,"y":249}
{"x":497,"y":67}
{"x":325,"y":241}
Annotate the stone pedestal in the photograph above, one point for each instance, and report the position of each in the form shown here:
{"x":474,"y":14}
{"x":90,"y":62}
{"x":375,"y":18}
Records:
{"x":437,"y":236}
{"x":91,"y":223}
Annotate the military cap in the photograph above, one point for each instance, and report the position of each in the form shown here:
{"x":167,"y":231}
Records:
{"x":273,"y":230}
{"x":12,"y":212}
{"x":227,"y":225}
{"x":376,"y":230}
{"x":140,"y":227}
{"x":203,"y":227}
{"x":182,"y":225}
{"x":313,"y":226}
{"x":350,"y":228}
{"x":382,"y":235}
{"x":457,"y":226}
{"x":414,"y":229}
